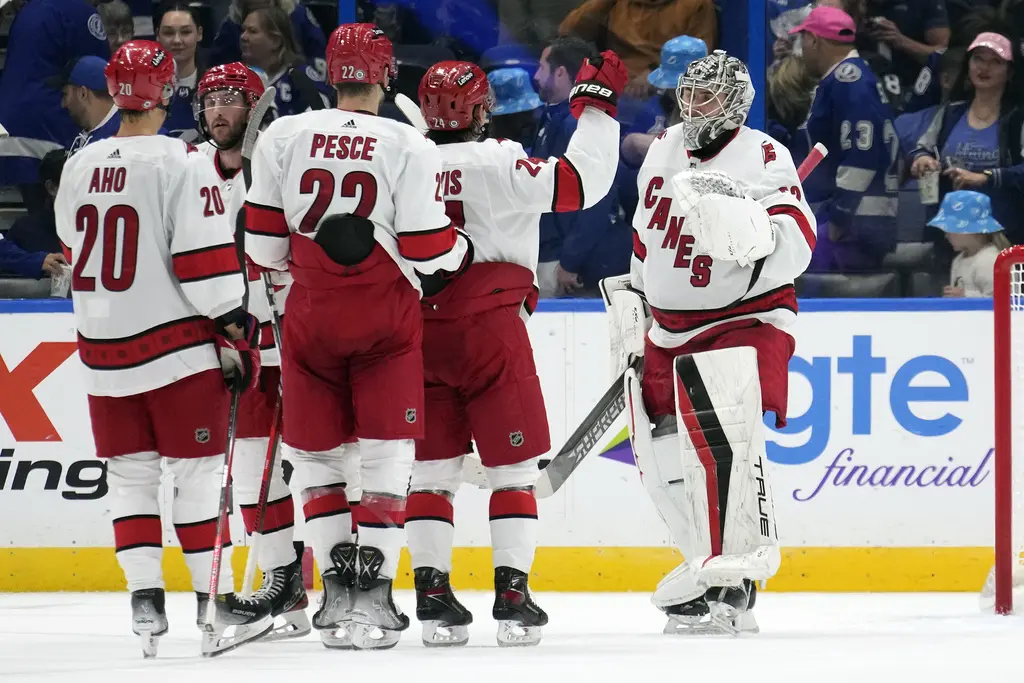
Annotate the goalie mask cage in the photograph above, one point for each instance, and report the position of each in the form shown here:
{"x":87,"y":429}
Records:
{"x":1008,"y":315}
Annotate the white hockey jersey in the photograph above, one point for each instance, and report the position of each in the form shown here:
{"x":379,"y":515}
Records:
{"x":688,"y":291}
{"x":322,"y":163}
{"x":497,"y":194}
{"x":233,"y":190}
{"x":145,"y":226}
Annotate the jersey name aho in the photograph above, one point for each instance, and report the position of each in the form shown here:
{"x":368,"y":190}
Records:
{"x":689,"y":291}
{"x":145,"y":226}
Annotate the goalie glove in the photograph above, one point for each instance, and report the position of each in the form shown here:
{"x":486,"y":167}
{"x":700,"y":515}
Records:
{"x":731,"y":229}
{"x":689,"y":186}
{"x":599,"y":84}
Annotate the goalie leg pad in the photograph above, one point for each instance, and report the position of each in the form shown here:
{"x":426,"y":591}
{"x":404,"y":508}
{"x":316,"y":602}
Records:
{"x":429,"y":515}
{"x":718,"y":402}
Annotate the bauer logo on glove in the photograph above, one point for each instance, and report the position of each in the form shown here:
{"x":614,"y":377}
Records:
{"x":599,"y":83}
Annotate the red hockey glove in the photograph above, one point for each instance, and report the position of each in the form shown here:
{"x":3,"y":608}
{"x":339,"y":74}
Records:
{"x":239,"y":357}
{"x":598,"y":84}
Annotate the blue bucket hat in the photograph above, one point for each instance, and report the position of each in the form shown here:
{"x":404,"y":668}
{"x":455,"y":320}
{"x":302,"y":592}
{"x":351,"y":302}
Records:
{"x":967,"y":213}
{"x":513,"y":91}
{"x":676,"y":55}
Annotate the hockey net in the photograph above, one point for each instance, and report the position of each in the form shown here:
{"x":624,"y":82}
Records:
{"x":1004,"y":588}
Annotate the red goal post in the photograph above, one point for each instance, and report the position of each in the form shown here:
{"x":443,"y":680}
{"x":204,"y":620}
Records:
{"x":1008,"y":314}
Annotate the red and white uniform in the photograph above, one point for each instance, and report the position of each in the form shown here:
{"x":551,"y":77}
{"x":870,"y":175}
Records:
{"x":153,"y":261}
{"x":699,"y":303}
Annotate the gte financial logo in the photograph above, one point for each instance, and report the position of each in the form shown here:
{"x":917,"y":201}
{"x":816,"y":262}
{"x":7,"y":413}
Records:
{"x":27,"y":421}
{"x":918,"y":381}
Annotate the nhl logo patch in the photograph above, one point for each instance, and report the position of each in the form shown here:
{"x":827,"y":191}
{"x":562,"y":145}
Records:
{"x":202,"y":435}
{"x":410,"y":415}
{"x":516,"y":439}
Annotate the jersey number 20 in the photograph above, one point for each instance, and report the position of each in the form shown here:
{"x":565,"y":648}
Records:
{"x":118,"y":228}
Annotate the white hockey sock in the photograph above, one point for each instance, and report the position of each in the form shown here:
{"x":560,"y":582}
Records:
{"x":275,"y":549}
{"x":513,"y":514}
{"x":320,"y":478}
{"x":134,"y":482}
{"x":429,"y":517}
{"x":197,"y":497}
{"x":386,"y":467}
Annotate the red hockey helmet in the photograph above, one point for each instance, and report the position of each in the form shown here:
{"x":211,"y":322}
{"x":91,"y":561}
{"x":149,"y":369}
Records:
{"x":140,"y":76}
{"x":233,"y":76}
{"x":359,"y":53}
{"x":450,"y":92}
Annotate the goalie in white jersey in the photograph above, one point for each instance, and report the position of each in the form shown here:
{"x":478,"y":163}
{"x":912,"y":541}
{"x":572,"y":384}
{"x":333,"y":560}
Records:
{"x":157,"y":290}
{"x":346,"y":202}
{"x":225,"y":97}
{"x":481,"y":381}
{"x":720,"y":233}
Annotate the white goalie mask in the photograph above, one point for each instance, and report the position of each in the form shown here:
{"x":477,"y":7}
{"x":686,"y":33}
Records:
{"x":714,"y":97}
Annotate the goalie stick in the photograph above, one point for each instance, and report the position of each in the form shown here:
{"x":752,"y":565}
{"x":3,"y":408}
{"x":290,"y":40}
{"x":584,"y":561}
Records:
{"x":613,"y":403}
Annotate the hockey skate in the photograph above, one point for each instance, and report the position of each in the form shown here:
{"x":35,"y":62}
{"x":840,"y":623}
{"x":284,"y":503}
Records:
{"x":377,"y":623}
{"x":730,"y":607}
{"x":237,"y":622}
{"x":149,"y":619}
{"x":332,"y":618}
{"x":518,"y":616}
{"x":445,"y":619}
{"x":283,"y":588}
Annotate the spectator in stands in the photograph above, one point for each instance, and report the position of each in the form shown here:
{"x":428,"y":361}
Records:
{"x":84,"y":95}
{"x":268,"y":45}
{"x":45,"y":36}
{"x":515,"y":112}
{"x":854,"y":192}
{"x":179,"y":32}
{"x":913,"y":124}
{"x":142,"y":18}
{"x":37,"y":231}
{"x":790,"y":92}
{"x":977,"y":132}
{"x":576,"y":249}
{"x":784,"y":15}
{"x":636,"y":30}
{"x":16,"y":261}
{"x":976,"y":237}
{"x":533,"y":23}
{"x":907,"y":32}
{"x":118,"y":23}
{"x":308,"y":40}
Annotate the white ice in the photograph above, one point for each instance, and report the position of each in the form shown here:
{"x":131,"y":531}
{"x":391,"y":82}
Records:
{"x":876,"y":638}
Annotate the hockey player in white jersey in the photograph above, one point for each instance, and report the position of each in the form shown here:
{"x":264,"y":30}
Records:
{"x":720,"y":233}
{"x":157,"y":290}
{"x":225,"y":97}
{"x":481,"y":381}
{"x":346,"y":202}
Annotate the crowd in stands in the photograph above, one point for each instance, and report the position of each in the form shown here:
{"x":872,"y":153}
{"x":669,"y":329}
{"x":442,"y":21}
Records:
{"x":918,"y":101}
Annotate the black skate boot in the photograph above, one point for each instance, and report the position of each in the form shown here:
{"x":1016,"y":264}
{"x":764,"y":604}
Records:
{"x":332,"y":619}
{"x":731,"y":607}
{"x":444,"y":618}
{"x":288,"y":601}
{"x":518,"y":616}
{"x":237,"y":622}
{"x":377,"y":623}
{"x":689,"y":618}
{"x":149,"y":619}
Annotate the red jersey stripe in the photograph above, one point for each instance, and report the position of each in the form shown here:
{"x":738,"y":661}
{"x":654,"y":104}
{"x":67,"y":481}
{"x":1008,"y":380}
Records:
{"x":639,"y":249}
{"x":801,"y":221}
{"x":422,"y":506}
{"x":266,"y":221}
{"x":687,"y":321}
{"x":206,"y":263}
{"x":156,"y":342}
{"x":426,"y":245}
{"x":568,"y":187}
{"x":505,"y":504}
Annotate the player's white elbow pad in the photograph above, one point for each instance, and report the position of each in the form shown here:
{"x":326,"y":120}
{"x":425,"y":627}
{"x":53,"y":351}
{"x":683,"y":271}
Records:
{"x":732,"y":228}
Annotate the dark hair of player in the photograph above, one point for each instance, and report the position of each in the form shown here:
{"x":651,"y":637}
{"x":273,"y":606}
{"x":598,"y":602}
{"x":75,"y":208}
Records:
{"x":570,"y":51}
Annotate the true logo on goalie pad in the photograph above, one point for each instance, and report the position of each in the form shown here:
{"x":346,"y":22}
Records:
{"x":410,"y":415}
{"x":202,"y":435}
{"x":516,"y":439}
{"x":762,"y":499}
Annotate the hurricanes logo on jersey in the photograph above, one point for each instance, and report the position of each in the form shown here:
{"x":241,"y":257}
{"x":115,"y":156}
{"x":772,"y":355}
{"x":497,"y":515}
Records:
{"x":768,"y":150}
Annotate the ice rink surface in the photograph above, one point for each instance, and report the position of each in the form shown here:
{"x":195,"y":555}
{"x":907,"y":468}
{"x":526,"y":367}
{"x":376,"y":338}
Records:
{"x":877,"y":638}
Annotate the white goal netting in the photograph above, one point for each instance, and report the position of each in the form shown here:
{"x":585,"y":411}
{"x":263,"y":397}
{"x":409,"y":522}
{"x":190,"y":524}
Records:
{"x":1004,"y":588}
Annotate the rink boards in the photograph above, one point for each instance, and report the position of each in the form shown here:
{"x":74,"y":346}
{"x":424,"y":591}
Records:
{"x":882,"y":480}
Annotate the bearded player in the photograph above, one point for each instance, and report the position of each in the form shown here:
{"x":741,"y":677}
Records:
{"x":720,"y":234}
{"x":481,"y":381}
{"x":225,"y":98}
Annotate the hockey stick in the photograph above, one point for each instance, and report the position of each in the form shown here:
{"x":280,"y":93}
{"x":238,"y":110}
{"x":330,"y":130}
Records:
{"x":252,"y":132}
{"x":222,"y":512}
{"x":411,"y":112}
{"x":613,"y":403}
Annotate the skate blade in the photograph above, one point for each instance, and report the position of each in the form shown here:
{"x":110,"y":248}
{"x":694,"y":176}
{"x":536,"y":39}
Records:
{"x":515,"y":634}
{"x":692,"y":626}
{"x":731,"y":620}
{"x":439,"y":634}
{"x":368,"y":637}
{"x":150,"y":643}
{"x":215,"y":644}
{"x":337,"y":638}
{"x":289,"y":625}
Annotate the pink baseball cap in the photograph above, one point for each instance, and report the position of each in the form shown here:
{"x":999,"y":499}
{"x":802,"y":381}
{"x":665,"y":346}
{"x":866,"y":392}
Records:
{"x":830,"y":23}
{"x":995,"y":42}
